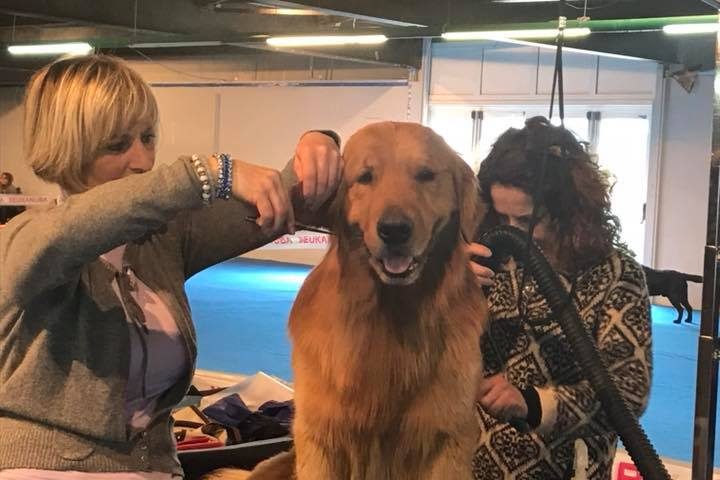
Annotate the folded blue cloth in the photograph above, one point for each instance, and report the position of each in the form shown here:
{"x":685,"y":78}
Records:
{"x":272,"y":420}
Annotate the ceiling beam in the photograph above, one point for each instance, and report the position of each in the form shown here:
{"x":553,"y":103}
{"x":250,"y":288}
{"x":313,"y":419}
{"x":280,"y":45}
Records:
{"x":397,"y":12}
{"x":151,"y":16}
{"x":76,"y":12}
{"x":336,"y":12}
{"x":257,"y":28}
{"x":98,"y":36}
{"x":483,"y":13}
{"x":176,"y":17}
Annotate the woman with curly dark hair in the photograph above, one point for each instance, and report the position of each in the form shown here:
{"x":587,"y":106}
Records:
{"x":539,"y":417}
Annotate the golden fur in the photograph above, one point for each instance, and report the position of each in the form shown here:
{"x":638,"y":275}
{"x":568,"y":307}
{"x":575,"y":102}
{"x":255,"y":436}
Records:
{"x":386,"y":365}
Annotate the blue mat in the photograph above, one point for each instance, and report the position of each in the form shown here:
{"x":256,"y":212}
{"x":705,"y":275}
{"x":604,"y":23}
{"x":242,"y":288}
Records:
{"x":241,"y":308}
{"x":669,"y":418}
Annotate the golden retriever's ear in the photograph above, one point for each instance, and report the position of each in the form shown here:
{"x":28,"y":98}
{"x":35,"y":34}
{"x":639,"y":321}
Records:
{"x":472,"y":209}
{"x":336,"y":210}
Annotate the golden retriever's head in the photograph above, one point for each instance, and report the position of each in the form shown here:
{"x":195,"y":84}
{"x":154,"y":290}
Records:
{"x":405,"y":195}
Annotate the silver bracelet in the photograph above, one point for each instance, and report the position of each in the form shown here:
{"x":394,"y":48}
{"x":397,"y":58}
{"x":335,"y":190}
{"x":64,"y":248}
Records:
{"x":203,"y":174}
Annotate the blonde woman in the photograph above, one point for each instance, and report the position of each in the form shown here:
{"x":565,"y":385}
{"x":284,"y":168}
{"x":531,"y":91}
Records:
{"x":96,"y":340}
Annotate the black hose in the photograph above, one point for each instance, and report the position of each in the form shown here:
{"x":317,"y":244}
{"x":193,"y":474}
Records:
{"x":510,"y":240}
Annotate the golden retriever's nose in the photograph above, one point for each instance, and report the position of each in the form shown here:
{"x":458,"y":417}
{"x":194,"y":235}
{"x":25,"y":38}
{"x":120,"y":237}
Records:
{"x":394,"y":228}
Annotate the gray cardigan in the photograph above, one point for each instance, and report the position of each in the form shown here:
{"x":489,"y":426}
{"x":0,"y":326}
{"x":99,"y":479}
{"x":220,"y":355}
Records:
{"x":64,"y":345}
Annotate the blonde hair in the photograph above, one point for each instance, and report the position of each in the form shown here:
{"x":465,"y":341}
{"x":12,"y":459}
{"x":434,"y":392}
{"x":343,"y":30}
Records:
{"x":74,"y":107}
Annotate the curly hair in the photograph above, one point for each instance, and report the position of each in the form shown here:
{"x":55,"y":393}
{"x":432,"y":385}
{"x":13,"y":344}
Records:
{"x":570,"y":187}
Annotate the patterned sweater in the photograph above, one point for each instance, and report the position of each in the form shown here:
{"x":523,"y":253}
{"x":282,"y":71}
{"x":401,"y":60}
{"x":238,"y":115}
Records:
{"x":612,"y":300}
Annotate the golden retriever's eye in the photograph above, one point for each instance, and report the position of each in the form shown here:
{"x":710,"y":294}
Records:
{"x":365,"y":177}
{"x":425,"y":175}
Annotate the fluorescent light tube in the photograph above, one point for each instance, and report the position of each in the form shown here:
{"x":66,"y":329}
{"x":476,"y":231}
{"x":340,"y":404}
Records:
{"x":76,"y":48}
{"x":326,"y":40}
{"x":211,"y":43}
{"x":501,"y":34}
{"x":690,"y":28}
{"x":288,"y":11}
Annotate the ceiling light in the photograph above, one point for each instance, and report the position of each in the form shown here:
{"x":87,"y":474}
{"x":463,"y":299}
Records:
{"x":287,"y":11}
{"x":326,"y":40}
{"x":77,"y":48}
{"x":502,"y":34}
{"x":212,"y":43}
{"x":524,"y":1}
{"x":691,"y":28}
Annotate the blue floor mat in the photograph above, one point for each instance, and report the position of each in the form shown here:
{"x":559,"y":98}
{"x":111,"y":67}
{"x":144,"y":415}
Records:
{"x":241,"y":308}
{"x":669,"y":418}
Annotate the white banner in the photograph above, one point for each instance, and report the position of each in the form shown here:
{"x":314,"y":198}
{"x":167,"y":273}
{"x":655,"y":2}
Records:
{"x":21,"y":199}
{"x":302,"y":240}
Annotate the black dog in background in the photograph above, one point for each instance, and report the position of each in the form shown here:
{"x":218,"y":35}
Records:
{"x":673,"y":285}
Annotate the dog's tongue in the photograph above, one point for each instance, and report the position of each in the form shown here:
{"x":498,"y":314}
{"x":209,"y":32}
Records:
{"x":397,"y":265}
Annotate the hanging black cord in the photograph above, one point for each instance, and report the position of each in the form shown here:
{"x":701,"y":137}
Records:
{"x":542,"y":149}
{"x":558,"y":73}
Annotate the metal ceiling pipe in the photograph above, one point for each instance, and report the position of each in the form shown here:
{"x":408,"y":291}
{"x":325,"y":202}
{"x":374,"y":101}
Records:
{"x":653,"y":23}
{"x":614,"y":25}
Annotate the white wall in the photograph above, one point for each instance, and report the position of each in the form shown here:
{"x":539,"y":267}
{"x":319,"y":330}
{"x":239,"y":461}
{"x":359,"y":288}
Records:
{"x":491,"y":72}
{"x":683,"y":185}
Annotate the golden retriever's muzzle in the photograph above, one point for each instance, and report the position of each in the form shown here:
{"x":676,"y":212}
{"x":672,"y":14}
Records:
{"x":395,"y":230}
{"x":403,"y":254}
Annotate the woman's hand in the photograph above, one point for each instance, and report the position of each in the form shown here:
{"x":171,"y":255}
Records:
{"x":501,"y":399}
{"x":318,"y":166}
{"x":263,"y":188}
{"x":483,"y":274}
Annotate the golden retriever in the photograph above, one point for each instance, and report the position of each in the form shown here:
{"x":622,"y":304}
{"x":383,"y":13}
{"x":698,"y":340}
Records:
{"x":385,"y":330}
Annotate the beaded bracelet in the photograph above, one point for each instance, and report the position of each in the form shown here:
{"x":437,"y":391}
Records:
{"x":223,"y":190}
{"x":202,"y":172}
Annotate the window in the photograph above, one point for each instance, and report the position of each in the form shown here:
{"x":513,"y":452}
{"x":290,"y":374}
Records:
{"x":623,"y":151}
{"x":494,"y":124}
{"x":455,"y":125}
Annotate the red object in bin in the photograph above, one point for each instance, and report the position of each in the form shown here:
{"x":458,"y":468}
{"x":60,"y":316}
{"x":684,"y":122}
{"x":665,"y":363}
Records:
{"x":196,"y":443}
{"x":628,"y":471}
